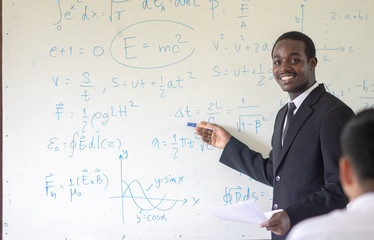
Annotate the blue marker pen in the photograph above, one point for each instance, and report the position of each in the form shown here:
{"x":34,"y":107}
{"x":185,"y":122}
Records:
{"x":198,"y":125}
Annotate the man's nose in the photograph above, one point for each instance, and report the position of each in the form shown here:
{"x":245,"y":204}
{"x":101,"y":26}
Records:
{"x":285,"y":65}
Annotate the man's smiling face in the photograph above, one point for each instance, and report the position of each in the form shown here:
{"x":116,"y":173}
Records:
{"x":291,"y":67}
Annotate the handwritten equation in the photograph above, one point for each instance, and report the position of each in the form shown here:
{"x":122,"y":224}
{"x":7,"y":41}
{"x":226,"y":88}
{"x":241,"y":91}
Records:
{"x":248,"y":116}
{"x":74,"y":187}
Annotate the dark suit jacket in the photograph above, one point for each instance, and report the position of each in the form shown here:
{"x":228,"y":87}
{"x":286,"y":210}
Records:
{"x":305,"y":171}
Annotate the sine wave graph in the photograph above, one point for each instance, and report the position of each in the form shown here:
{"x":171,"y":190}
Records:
{"x":135,"y":192}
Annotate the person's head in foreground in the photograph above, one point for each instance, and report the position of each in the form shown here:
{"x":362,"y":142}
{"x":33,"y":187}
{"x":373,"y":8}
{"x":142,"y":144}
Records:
{"x":357,"y":162}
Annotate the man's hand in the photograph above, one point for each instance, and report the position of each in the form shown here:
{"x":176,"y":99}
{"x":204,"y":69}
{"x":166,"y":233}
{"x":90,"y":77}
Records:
{"x":215,"y":135}
{"x":279,"y":223}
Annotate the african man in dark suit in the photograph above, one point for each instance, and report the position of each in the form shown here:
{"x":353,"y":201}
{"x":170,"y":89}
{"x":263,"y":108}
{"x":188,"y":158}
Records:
{"x":303,"y":165}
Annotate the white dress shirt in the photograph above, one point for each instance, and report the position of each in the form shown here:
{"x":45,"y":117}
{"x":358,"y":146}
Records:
{"x":300,"y":99}
{"x":357,"y":222}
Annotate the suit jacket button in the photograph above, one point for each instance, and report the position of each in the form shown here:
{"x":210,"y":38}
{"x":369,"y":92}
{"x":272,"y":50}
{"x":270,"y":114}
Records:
{"x":275,"y":206}
{"x":277,"y":178}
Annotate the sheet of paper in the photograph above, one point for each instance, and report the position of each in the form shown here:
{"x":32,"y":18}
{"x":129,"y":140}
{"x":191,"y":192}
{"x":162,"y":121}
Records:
{"x":247,"y":211}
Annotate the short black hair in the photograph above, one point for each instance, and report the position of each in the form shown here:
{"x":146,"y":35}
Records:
{"x":357,"y":142}
{"x":310,"y":49}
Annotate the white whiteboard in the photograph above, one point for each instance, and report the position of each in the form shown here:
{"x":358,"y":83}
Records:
{"x":97,"y":96}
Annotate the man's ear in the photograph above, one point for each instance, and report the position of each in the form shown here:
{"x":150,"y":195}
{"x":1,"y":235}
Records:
{"x":345,"y":170}
{"x":350,"y":183}
{"x":348,"y":179}
{"x":313,"y":63}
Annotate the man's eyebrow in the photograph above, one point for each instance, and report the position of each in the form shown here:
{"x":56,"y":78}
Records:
{"x":291,"y":54}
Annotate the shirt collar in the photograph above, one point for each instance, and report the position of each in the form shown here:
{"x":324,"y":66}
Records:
{"x":300,"y":99}
{"x":362,"y":202}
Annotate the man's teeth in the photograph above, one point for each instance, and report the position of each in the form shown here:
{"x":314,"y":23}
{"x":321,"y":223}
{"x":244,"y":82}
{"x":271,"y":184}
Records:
{"x":286,"y":77}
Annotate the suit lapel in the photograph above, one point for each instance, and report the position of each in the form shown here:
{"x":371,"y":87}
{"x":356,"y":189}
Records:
{"x":302,"y":114}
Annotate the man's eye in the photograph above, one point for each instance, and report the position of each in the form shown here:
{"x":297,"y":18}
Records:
{"x":294,"y":60}
{"x":276,"y":62}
